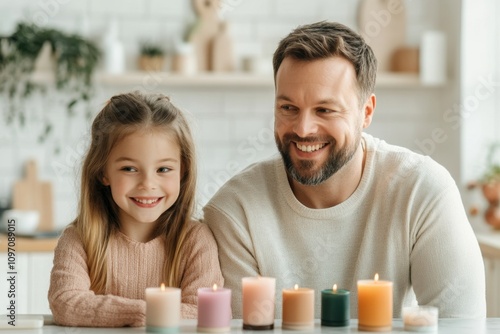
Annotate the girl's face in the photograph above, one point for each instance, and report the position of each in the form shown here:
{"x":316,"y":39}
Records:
{"x":144,"y":172}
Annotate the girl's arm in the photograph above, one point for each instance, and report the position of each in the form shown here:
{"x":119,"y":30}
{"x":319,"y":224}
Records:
{"x":201,"y":267}
{"x":71,"y":300}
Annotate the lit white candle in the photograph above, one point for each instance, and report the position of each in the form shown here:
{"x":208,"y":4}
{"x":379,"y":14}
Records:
{"x":163,"y":309}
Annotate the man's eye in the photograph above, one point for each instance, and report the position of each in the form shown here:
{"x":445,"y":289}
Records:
{"x":287,"y":108}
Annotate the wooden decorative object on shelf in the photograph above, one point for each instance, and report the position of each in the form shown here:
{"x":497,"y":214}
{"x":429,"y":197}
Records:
{"x":405,"y":59}
{"x":206,"y":29}
{"x":33,"y":194}
{"x":222,"y":51}
{"x":147,"y":63}
{"x":383,"y":25}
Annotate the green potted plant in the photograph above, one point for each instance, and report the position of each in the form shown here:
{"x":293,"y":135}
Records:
{"x":151,"y":57}
{"x":75,"y":61}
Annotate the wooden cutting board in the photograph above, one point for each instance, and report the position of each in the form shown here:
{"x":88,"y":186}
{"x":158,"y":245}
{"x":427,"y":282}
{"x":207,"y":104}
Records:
{"x":383,"y":25}
{"x":32,"y":194}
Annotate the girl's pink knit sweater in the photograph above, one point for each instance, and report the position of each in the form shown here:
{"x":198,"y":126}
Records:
{"x":133,"y":266}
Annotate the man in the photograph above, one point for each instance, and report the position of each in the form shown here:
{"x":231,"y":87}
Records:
{"x":340,"y":205}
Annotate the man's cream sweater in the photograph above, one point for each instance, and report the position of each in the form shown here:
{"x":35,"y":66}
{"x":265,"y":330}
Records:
{"x":405,"y":221}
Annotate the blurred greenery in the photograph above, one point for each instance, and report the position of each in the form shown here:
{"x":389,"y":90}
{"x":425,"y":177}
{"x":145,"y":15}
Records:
{"x":75,"y":61}
{"x":151,"y":49}
{"x":492,"y":173}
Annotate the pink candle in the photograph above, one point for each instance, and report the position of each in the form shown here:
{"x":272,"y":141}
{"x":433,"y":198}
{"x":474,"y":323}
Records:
{"x":258,"y":302}
{"x":214,"y":309}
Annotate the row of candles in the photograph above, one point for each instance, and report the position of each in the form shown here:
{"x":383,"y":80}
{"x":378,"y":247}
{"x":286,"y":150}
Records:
{"x":258,"y":298}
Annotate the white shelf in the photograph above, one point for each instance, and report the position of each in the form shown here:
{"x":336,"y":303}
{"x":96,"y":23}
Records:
{"x":228,"y":80}
{"x":196,"y":80}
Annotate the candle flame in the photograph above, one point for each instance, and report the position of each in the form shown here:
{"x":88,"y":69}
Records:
{"x":296,"y":287}
{"x":162,"y":287}
{"x":376,"y":277}
{"x":214,"y":287}
{"x":335,"y":288}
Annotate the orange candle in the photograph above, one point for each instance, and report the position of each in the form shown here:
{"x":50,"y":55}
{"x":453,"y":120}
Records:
{"x":298,"y":308}
{"x":374,"y":305}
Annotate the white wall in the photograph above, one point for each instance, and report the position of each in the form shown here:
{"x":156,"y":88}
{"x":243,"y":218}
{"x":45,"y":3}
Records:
{"x":232,"y":125}
{"x":480,"y":94}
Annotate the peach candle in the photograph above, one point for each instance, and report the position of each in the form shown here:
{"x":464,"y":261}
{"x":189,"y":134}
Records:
{"x":214,"y":309}
{"x":374,"y":305}
{"x":163,"y":309}
{"x":258,"y":302}
{"x":298,"y":308}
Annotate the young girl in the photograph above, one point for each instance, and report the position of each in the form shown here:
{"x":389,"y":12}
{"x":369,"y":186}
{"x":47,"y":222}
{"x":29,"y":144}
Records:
{"x":134,"y":228}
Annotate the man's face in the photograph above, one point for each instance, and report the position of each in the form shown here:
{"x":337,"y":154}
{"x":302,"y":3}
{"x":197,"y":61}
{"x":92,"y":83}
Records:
{"x":318,"y":118}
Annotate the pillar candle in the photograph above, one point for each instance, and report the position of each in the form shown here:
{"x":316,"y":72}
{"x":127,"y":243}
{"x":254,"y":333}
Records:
{"x":420,"y":318}
{"x":433,"y":58}
{"x":298,"y":308}
{"x":258,"y":302}
{"x":335,"y":307}
{"x":214,"y":309}
{"x":375,"y":305}
{"x":163,"y":309}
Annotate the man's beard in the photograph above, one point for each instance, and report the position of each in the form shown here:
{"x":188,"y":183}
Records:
{"x":303,"y":172}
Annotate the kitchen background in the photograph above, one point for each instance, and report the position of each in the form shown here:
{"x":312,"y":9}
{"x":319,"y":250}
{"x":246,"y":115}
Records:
{"x":453,"y":120}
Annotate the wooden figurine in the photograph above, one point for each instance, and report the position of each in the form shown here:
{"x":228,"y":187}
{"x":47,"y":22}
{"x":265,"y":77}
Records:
{"x":207,"y":28}
{"x":222,"y":51}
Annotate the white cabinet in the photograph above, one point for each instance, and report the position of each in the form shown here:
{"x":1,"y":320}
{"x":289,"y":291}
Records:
{"x":490,"y":247}
{"x":32,"y":280}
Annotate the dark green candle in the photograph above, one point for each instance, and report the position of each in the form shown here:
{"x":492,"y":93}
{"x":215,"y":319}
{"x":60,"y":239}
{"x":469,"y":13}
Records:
{"x":335,"y":307}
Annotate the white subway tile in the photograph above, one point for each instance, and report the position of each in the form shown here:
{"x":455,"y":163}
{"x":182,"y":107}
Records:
{"x":212,"y":130}
{"x":258,"y":101}
{"x":65,"y":211}
{"x":237,"y":9}
{"x":131,"y":8}
{"x":296,"y":9}
{"x":166,"y":8}
{"x":337,"y":10}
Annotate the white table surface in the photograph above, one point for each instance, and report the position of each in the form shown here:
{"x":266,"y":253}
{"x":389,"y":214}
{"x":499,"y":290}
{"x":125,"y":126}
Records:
{"x":445,"y":326}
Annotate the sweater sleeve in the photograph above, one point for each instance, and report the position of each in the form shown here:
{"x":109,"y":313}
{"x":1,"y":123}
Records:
{"x":236,"y":251}
{"x":201,"y":270}
{"x":71,"y":300}
{"x":447,"y":269}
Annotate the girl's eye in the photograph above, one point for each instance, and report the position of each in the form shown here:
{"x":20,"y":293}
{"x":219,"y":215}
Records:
{"x":128,"y":169}
{"x":163,"y":169}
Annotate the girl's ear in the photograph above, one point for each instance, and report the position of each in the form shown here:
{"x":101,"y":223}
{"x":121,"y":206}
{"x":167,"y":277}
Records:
{"x":105,"y":180}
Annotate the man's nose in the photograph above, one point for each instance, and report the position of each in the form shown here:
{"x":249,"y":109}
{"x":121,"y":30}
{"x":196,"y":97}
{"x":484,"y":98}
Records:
{"x":305,"y":124}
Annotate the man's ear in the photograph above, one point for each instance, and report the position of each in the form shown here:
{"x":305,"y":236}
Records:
{"x":368,"y":109}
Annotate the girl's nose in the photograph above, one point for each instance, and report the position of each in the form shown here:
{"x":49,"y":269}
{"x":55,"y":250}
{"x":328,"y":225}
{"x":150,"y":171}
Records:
{"x":148,"y":181}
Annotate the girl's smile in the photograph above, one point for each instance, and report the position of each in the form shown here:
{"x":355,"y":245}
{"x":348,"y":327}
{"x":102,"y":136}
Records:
{"x":146,"y":202}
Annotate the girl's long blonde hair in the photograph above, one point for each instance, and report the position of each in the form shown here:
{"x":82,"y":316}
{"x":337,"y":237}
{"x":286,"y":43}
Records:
{"x":98,"y":214}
